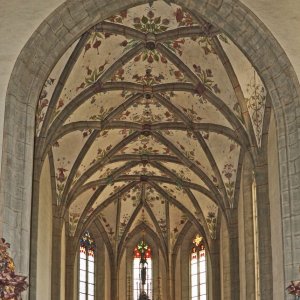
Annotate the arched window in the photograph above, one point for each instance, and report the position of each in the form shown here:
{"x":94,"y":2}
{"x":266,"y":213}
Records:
{"x":142,"y":271}
{"x":198,"y":270}
{"x":87,"y":268}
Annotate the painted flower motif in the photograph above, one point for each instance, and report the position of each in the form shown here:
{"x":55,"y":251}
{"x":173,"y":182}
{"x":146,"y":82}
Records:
{"x":175,"y":46}
{"x":108,"y":228}
{"x":86,"y":132}
{"x":150,"y":14}
{"x":256,"y":101}
{"x":165,"y":21}
{"x":177,"y":228}
{"x":211,"y":220}
{"x":177,"y":74}
{"x":43,"y":94}
{"x":60,"y":104}
{"x":123,"y":223}
{"x":101,"y":153}
{"x":228,"y":171}
{"x":92,"y":76}
{"x":43,"y":104}
{"x":61,"y":176}
{"x":150,"y":23}
{"x":206,"y":43}
{"x":179,"y":15}
{"x":119,"y":75}
{"x":191,"y":114}
{"x":73,"y":221}
{"x":95,"y":40}
{"x":183,"y":18}
{"x":136,"y":20}
{"x":205,"y":77}
{"x":151,"y":56}
{"x":119,"y":18}
{"x":102,"y":114}
{"x":190,"y":154}
{"x":148,"y":79}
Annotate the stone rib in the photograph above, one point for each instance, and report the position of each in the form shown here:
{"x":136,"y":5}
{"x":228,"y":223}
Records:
{"x":90,"y":91}
{"x":62,"y":80}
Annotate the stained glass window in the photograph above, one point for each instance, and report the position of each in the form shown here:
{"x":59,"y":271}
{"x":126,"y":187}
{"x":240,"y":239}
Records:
{"x":142,"y":267}
{"x":198,"y":270}
{"x":87,"y":268}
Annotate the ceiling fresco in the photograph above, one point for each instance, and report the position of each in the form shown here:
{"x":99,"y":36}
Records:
{"x":144,"y":120}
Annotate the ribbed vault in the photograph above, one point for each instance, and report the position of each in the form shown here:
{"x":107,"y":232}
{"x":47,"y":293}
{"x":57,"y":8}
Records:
{"x":145,"y":120}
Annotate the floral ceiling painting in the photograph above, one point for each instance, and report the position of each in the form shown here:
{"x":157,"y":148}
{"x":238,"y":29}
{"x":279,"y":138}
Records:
{"x":145,"y":120}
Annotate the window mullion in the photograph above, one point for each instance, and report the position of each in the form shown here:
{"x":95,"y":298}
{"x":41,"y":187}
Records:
{"x":87,"y":275}
{"x":86,"y":289}
{"x":198,"y":271}
{"x":198,"y":275}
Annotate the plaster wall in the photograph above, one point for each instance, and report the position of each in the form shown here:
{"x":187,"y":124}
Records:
{"x":44,"y":236}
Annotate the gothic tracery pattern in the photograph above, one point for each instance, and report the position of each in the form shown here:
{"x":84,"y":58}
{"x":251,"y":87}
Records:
{"x":198,"y":285}
{"x":142,"y":272}
{"x":87,"y":267}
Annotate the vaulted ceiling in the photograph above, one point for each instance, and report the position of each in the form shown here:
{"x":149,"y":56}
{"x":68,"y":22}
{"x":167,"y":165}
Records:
{"x":145,"y":119}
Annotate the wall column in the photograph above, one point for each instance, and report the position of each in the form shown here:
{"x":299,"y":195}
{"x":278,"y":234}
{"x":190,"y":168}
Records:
{"x":56,"y":254}
{"x":99,"y":268}
{"x":225,"y":261}
{"x":215,"y":269}
{"x":170,"y":284}
{"x":248,"y":219}
{"x":70,"y":269}
{"x":234,"y":256}
{"x":264,"y":231}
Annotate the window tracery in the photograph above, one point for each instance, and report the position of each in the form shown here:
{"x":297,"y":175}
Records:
{"x":198,"y":272}
{"x":87,"y":267}
{"x":142,"y":271}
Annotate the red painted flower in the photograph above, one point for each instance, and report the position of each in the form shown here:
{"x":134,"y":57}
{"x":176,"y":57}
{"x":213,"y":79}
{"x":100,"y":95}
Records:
{"x":150,"y":14}
{"x":179,"y":15}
